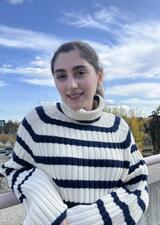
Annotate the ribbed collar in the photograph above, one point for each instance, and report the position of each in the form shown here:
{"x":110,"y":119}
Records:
{"x":83,"y":115}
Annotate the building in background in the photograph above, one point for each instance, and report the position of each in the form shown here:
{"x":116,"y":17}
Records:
{"x":2,"y":125}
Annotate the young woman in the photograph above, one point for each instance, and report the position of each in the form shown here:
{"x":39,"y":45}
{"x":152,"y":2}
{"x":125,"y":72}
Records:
{"x":73,"y":163}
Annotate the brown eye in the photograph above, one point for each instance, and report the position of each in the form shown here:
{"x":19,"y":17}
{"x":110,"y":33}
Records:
{"x":80,"y":73}
{"x":61,"y":76}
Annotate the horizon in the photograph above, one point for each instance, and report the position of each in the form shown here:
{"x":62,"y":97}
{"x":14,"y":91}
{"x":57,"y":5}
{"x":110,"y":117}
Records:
{"x":126,"y":36}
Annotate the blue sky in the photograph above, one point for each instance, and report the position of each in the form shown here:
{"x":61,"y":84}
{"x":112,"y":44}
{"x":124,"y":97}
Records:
{"x":125,"y":34}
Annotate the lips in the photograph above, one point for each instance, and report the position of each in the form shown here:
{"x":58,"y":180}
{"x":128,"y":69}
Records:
{"x":75,"y":96}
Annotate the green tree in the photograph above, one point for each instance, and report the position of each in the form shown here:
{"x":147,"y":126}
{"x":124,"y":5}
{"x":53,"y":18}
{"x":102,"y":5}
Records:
{"x":154,"y":128}
{"x":11,"y":128}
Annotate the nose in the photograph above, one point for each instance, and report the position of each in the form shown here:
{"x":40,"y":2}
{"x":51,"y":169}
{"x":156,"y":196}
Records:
{"x":72,"y":83}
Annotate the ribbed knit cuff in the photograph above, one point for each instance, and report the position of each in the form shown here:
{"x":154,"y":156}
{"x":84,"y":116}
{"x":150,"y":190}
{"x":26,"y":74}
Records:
{"x":41,"y":198}
{"x":60,"y":218}
{"x":119,"y":207}
{"x":84,"y":215}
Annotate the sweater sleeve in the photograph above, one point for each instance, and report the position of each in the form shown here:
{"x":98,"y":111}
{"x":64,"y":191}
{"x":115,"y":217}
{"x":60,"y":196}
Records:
{"x":124,"y":205}
{"x":32,"y":186}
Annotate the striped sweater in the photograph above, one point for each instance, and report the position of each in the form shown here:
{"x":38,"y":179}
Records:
{"x":80,"y":165}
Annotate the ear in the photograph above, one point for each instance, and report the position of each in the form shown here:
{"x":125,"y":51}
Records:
{"x":100,"y":76}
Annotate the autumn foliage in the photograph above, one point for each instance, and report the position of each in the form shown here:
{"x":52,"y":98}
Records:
{"x":135,"y":123}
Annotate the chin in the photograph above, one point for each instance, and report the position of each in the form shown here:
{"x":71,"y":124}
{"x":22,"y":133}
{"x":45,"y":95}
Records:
{"x":75,"y":106}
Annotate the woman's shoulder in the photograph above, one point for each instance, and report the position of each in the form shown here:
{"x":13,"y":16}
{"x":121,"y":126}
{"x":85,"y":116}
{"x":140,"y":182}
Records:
{"x":36,"y":114}
{"x":115,"y":120}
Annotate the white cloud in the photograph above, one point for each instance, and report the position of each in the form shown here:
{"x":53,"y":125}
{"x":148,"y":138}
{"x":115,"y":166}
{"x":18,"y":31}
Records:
{"x":20,"y":38}
{"x":80,"y":21}
{"x":36,"y":73}
{"x":145,"y":90}
{"x":39,"y":82}
{"x":137,"y":49}
{"x":132,"y":60}
{"x":2,"y":83}
{"x":16,"y":2}
{"x":139,"y":101}
{"x":39,"y":67}
{"x":109,"y":101}
{"x":136,"y":53}
{"x":101,"y":18}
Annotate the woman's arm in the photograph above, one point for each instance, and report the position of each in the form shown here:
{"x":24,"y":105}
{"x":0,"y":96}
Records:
{"x":123,"y":206}
{"x":34,"y":188}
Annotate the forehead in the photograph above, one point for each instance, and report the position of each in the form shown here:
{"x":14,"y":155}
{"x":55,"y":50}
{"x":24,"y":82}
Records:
{"x":68,"y":60}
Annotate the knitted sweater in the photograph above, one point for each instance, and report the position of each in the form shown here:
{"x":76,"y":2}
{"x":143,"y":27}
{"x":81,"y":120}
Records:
{"x":80,"y":165}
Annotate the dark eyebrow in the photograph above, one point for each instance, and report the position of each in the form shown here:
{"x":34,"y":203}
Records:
{"x":59,"y":70}
{"x":74,"y":68}
{"x":79,"y":67}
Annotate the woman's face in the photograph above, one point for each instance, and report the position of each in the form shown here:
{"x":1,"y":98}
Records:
{"x":76,"y":80}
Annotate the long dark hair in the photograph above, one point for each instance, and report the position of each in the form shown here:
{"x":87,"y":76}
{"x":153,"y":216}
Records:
{"x":86,"y":52}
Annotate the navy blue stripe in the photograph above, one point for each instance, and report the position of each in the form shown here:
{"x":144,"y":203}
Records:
{"x":46,"y":119}
{"x":59,"y":107}
{"x":81,"y":162}
{"x":140,"y":201}
{"x":102,"y":210}
{"x":134,"y":167}
{"x":3,"y":166}
{"x":60,"y":218}
{"x":124,"y":207}
{"x":7,"y":170}
{"x":22,"y":197}
{"x":80,"y":121}
{"x":88,"y":184}
{"x":133,"y":148}
{"x":24,"y":145}
{"x":15,"y":176}
{"x":146,"y":188}
{"x":137,"y":179}
{"x":22,"y":182}
{"x":26,"y":178}
{"x":22,"y":162}
{"x":54,"y":160}
{"x":67,"y":141}
{"x":73,"y":204}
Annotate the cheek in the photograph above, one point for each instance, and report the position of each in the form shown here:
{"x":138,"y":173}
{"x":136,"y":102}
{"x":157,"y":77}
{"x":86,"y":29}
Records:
{"x":91,"y":84}
{"x":60,"y":87}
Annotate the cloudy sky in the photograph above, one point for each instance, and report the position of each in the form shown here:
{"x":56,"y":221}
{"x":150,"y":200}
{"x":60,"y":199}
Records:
{"x":125,"y":34}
